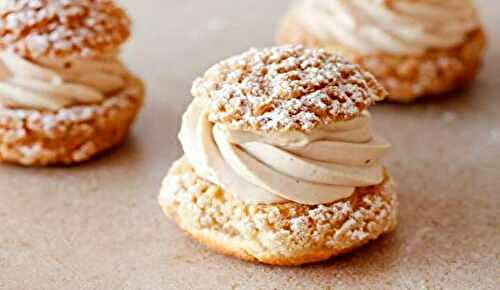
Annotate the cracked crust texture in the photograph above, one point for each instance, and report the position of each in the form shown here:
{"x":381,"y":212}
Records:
{"x":62,"y":28}
{"x":69,"y":135}
{"x":286,"y":88}
{"x":407,"y":78}
{"x":280,"y":234}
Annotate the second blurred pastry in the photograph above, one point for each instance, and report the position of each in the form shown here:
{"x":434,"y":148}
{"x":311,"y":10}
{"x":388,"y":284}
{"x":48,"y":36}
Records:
{"x":415,"y":48}
{"x":65,"y":95}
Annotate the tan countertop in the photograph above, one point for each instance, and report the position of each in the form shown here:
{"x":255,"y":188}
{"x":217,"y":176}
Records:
{"x":98,"y":226}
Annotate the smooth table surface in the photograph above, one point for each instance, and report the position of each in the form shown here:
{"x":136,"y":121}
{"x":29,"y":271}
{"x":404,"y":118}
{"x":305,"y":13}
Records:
{"x":98,"y":225}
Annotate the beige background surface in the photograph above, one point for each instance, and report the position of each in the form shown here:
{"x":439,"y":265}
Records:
{"x":98,"y":226}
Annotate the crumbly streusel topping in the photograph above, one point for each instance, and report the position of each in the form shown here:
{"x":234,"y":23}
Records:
{"x":34,"y":28}
{"x":285,"y":88}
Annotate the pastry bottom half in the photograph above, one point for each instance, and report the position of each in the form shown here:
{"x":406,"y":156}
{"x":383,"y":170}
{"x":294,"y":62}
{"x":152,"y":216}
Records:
{"x":70,"y":135}
{"x":406,"y":77}
{"x":279,"y":234}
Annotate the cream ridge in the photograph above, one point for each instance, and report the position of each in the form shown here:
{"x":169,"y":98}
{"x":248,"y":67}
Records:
{"x":54,"y":83}
{"x":383,"y":26}
{"x":321,"y":166}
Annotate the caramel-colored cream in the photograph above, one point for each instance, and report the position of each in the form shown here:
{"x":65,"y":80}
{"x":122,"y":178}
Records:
{"x":399,"y":27}
{"x":54,"y":83}
{"x":316,"y":167}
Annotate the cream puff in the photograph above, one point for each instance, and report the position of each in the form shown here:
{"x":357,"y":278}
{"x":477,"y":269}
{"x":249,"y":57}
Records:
{"x":65,"y":95}
{"x":281,"y":165}
{"x":414,"y":48}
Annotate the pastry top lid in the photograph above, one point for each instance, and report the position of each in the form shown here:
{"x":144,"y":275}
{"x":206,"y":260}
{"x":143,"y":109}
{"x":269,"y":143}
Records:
{"x":34,"y":28}
{"x":286,"y":88}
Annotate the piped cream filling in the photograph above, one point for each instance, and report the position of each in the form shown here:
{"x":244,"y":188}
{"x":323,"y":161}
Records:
{"x":400,"y":27}
{"x":54,"y":83}
{"x":316,"y":167}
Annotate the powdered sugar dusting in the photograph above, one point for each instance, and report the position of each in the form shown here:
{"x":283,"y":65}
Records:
{"x":33,"y":28}
{"x":282,"y":88}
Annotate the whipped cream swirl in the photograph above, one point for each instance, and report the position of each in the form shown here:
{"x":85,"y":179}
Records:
{"x":400,"y":27}
{"x":316,"y":167}
{"x":54,"y":83}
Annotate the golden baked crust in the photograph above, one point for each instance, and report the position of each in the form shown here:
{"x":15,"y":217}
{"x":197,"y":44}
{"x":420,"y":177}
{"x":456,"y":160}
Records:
{"x":62,"y":28}
{"x":286,"y":88}
{"x":69,"y":135}
{"x":280,"y":234}
{"x":407,"y":78}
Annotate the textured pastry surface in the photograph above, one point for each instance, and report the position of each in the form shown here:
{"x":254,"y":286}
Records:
{"x":59,"y":27}
{"x":406,"y":76}
{"x":281,"y":234}
{"x":286,"y":88}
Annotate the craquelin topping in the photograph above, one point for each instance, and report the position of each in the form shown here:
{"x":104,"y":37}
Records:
{"x":286,"y":88}
{"x":34,"y":28}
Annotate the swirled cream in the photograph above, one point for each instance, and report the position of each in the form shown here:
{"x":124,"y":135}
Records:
{"x":400,"y":27}
{"x":316,"y":167}
{"x":53,"y":83}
